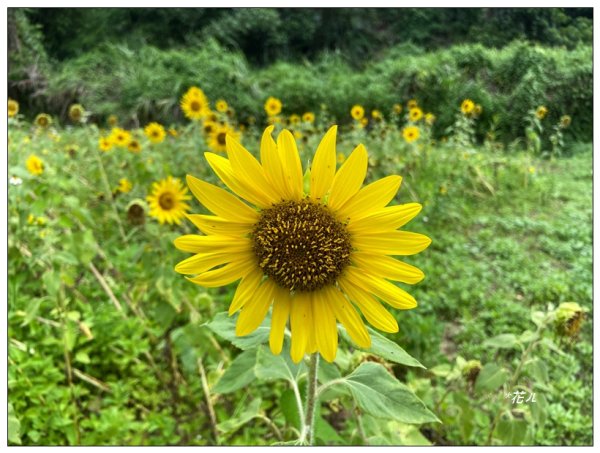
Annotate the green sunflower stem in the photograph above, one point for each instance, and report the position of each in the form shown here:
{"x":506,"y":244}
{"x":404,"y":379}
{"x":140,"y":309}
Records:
{"x":311,"y":400}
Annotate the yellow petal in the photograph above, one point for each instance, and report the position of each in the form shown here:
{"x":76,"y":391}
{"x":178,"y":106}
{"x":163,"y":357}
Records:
{"x":246,"y":290}
{"x":222,"y":167}
{"x":386,"y":291}
{"x":202,"y":262}
{"x":196,"y":243}
{"x":254,"y":312}
{"x":386,"y":219}
{"x":292,"y":168}
{"x":248,"y":170}
{"x":221,"y":202}
{"x":272,"y":164}
{"x":224,"y":275}
{"x":349,"y":178}
{"x":210,"y":224}
{"x":371,"y":198}
{"x":300,"y":323}
{"x":322,"y":170}
{"x":371,"y":309}
{"x":394,"y":243}
{"x":387,"y":267}
{"x":325,"y":328}
{"x":282,"y":305}
{"x":346,"y":313}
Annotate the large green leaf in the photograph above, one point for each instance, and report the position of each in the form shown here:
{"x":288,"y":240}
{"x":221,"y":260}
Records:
{"x":505,"y":340}
{"x":235,"y":423}
{"x":380,"y":394}
{"x":270,"y":366}
{"x":386,"y":349}
{"x":491,"y":377}
{"x":239,"y":374}
{"x":224,"y":326}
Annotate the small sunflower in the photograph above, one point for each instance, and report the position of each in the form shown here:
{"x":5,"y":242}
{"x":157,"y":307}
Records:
{"x":155,"y":132}
{"x":377,"y":115}
{"x":125,"y":185}
{"x":415,"y":114}
{"x":34,"y":165}
{"x":173,"y":132}
{"x":209,"y":127}
{"x":467,"y":106}
{"x":221,"y":106}
{"x":167,"y":201}
{"x":541,"y":112}
{"x":105,"y":143}
{"x":43,"y":120}
{"x":112,"y":120}
{"x":134,"y":146}
{"x":412,"y":104}
{"x":410,"y":133}
{"x":13,"y":108}
{"x":76,"y":113}
{"x":429,"y":118}
{"x":273,"y":106}
{"x":194,"y":104}
{"x":308,"y":117}
{"x":217,"y":140}
{"x":295,"y":119}
{"x":315,"y":257}
{"x":565,"y":121}
{"x":364,"y":122}
{"x":357,"y":112}
{"x":120,"y":137}
{"x":136,"y":211}
{"x":477,"y":110}
{"x":397,"y":108}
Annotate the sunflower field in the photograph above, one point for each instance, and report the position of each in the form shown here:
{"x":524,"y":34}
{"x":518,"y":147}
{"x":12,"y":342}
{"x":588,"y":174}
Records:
{"x":286,"y":260}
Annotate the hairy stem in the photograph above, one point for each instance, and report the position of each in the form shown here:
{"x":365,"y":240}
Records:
{"x":308,"y":433}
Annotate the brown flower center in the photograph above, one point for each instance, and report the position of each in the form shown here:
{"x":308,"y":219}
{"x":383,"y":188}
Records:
{"x":166,"y":201}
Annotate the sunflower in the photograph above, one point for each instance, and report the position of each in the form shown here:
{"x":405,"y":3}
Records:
{"x":209,"y":127}
{"x":308,"y":117}
{"x":13,"y":108}
{"x":134,"y":146}
{"x":315,"y":257}
{"x":565,"y":121}
{"x":410,"y":133}
{"x":173,"y":132}
{"x":357,"y":112}
{"x":467,"y":106}
{"x":376,"y":115}
{"x":273,"y":106}
{"x":194,"y":104}
{"x":76,"y":113}
{"x":221,"y":106}
{"x":136,"y":211}
{"x":412,"y":104}
{"x":429,"y":118}
{"x":167,"y":201}
{"x":397,"y":108}
{"x":478,"y":109}
{"x":43,"y":120}
{"x":541,"y":112}
{"x":415,"y":114}
{"x":155,"y":132}
{"x":364,"y":122}
{"x":217,"y":139}
{"x":34,"y":165}
{"x":295,"y":119}
{"x":125,"y":185}
{"x":112,"y":120}
{"x":105,"y":144}
{"x":120,"y":137}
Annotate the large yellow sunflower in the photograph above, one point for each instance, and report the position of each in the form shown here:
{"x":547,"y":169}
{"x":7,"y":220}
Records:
{"x":155,"y":132}
{"x":315,"y":257}
{"x":217,"y":138}
{"x":194,"y":104}
{"x":167,"y":201}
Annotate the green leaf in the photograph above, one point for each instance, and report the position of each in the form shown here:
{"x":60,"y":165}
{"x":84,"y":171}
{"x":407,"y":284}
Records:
{"x":326,"y":433}
{"x":327,"y":372}
{"x":270,"y":366}
{"x":491,"y":377}
{"x":386,"y":349}
{"x":289,"y":407}
{"x":224,"y":326}
{"x":378,"y":393}
{"x":511,"y":431}
{"x":505,"y":340}
{"x":539,"y":371}
{"x":32,"y":310}
{"x":239,"y":374}
{"x":235,"y":423}
{"x":14,"y":426}
{"x":538,"y":411}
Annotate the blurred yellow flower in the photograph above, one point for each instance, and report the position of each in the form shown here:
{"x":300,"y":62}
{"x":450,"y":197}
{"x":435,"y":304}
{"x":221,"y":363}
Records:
{"x":105,"y":144}
{"x":155,"y":132}
{"x":43,"y":120}
{"x":294,"y":119}
{"x":217,"y":140}
{"x":397,"y":108}
{"x":194,"y":104}
{"x":34,"y":165}
{"x":541,"y":112}
{"x":208,"y":127}
{"x":125,"y":185}
{"x":173,"y":132}
{"x":297,"y":135}
{"x":478,"y":109}
{"x":112,"y":120}
{"x":167,"y":201}
{"x":376,"y":115}
{"x":76,"y":113}
{"x":357,"y":112}
{"x":565,"y":121}
{"x":221,"y":106}
{"x":308,"y":117}
{"x":467,"y":106}
{"x":341,"y":158}
{"x":134,"y":146}
{"x":364,"y":122}
{"x":429,"y":118}
{"x":415,"y":114}
{"x":412,"y":104}
{"x":13,"y":108}
{"x":120,"y":137}
{"x":410,"y":133}
{"x":531,"y":170}
{"x":272,"y":106}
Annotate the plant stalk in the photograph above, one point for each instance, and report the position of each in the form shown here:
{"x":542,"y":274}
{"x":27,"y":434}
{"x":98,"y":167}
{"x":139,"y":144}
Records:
{"x":311,"y":401}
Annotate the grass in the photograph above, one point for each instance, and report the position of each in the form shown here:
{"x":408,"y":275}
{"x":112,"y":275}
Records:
{"x":106,"y":344}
